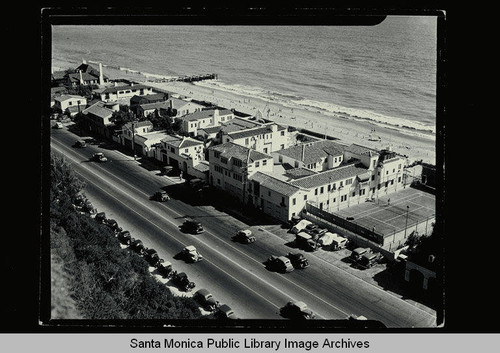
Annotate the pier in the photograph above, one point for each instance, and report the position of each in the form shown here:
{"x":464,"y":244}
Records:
{"x":192,"y":78}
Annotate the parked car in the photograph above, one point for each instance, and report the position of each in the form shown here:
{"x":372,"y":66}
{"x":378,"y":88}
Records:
{"x":244,"y":236}
{"x":137,"y":246}
{"x":190,"y":254}
{"x":297,"y":310}
{"x":369,"y":259}
{"x":58,"y":125}
{"x":124,"y":237}
{"x":279,"y":264}
{"x":99,"y":157}
{"x":111,"y":223}
{"x":88,"y":207}
{"x":224,"y":312}
{"x":100,"y":217}
{"x":152,"y":257}
{"x":205,"y":299}
{"x":192,"y":226}
{"x":182,"y":282}
{"x":298,"y":260}
{"x":357,"y":253}
{"x":81,"y":144}
{"x":165,"y":269}
{"x":301,"y":225}
{"x":306,"y":242}
{"x":161,"y":195}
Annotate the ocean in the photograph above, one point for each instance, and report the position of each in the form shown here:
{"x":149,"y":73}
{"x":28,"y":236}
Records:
{"x":384,"y":73}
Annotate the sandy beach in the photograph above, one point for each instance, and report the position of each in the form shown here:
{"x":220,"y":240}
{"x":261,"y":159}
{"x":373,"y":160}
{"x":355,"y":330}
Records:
{"x":416,"y":145}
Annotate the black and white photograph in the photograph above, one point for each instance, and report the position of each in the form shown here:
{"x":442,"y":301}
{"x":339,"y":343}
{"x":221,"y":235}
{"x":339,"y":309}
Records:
{"x":225,"y":175}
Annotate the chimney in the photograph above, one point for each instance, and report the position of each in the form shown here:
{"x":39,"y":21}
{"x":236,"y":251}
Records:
{"x":171,"y":104}
{"x":84,"y":61}
{"x":101,"y":76}
{"x":81,"y":77}
{"x":303,"y":151}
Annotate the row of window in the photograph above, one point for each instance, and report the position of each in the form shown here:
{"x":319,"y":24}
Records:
{"x":221,"y":170}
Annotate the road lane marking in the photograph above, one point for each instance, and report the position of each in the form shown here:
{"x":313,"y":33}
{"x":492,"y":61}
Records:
{"x":247,"y":256}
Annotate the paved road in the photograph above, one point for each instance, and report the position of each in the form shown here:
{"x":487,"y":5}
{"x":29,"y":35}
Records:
{"x":233,"y":272}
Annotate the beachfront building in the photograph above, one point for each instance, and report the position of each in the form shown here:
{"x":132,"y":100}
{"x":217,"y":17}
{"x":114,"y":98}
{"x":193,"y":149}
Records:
{"x":143,"y":110}
{"x":205,"y":118}
{"x":179,"y":107}
{"x":97,"y":118}
{"x":266,"y":138}
{"x":123,"y":93}
{"x":317,"y":155}
{"x":231,"y":165}
{"x":85,"y":75}
{"x":275,"y":197}
{"x":137,"y":100}
{"x":186,"y":154}
{"x":129,"y":136}
{"x":71,"y":104}
{"x":233,"y":125}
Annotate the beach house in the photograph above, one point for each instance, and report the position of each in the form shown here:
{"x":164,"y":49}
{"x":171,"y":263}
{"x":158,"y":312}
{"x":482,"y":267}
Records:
{"x":205,"y":118}
{"x":123,"y":93}
{"x":317,"y":155}
{"x":265,"y":138}
{"x":137,"y":100}
{"x":179,"y":107}
{"x":231,"y":165}
{"x":97,"y":118}
{"x":71,"y":104}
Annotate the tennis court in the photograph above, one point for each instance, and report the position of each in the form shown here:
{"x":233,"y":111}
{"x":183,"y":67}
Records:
{"x":390,"y":214}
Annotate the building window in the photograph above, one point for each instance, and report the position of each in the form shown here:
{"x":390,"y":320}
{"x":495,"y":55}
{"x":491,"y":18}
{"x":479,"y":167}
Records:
{"x":257,"y":164}
{"x":283,"y":133}
{"x":321,"y":190}
{"x":348,"y":181}
{"x":218,"y":181}
{"x":353,"y":193}
{"x":305,"y":197}
{"x":264,"y":162}
{"x":223,"y":160}
{"x":329,"y":188}
{"x":237,"y":162}
{"x":268,"y":193}
{"x":294,"y":201}
{"x":343,"y":198}
{"x":282,"y":146}
{"x":362,"y":192}
{"x":265,"y":150}
{"x":399,"y":179}
{"x":246,"y":141}
{"x":216,"y":154}
{"x":316,"y":191}
{"x":373,"y":177}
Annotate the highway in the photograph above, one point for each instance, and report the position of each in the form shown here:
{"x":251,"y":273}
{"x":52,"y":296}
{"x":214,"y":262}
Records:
{"x":233,"y":272}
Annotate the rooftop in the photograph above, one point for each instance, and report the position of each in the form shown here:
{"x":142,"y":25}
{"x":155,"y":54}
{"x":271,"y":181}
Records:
{"x":99,"y":109}
{"x":66,"y":97}
{"x":204,"y":114}
{"x":274,"y":184}
{"x":312,"y":152}
{"x":360,"y":150}
{"x":115,"y":89}
{"x":248,"y":133}
{"x":232,"y":150}
{"x":330,"y":176}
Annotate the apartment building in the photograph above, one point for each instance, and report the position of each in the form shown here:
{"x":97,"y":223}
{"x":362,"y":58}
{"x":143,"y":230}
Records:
{"x":266,"y":138}
{"x":231,"y":165}
{"x":204,"y":118}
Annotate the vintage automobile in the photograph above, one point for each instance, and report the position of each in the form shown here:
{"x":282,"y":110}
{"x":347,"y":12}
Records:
{"x":205,"y":299}
{"x":296,"y":310}
{"x":244,"y":236}
{"x":224,"y":312}
{"x":298,"y":260}
{"x":182,"y":282}
{"x":99,"y":157}
{"x":161,"y":195}
{"x":100,"y":217}
{"x":111,"y":223}
{"x":137,"y":246}
{"x":192,"y":226}
{"x":80,"y":144}
{"x":152,"y":257}
{"x":279,"y":264}
{"x":190,"y":254}
{"x":165,"y":269}
{"x":124,"y":237}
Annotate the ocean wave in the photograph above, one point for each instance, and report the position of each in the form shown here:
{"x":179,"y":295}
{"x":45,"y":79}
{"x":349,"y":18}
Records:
{"x":331,"y":109}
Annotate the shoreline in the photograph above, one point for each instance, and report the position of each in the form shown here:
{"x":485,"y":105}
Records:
{"x":415,"y":144}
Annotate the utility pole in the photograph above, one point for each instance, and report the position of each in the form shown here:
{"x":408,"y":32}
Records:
{"x":406,"y":224}
{"x":133,"y":140}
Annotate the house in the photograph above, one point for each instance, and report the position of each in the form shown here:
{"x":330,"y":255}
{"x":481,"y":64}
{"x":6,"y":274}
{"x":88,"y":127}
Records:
{"x":179,"y":107}
{"x":149,"y":108}
{"x":233,"y":125}
{"x":317,"y":155}
{"x":275,"y":197}
{"x":71,"y":104}
{"x":204,"y":118}
{"x":231,"y":165}
{"x":266,"y":138}
{"x":137,"y":100}
{"x":97,"y":118}
{"x":124,"y":92}
{"x":186,"y":154}
{"x":130,"y":131}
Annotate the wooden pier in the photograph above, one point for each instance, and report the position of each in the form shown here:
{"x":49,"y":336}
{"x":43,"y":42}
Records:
{"x":192,"y":78}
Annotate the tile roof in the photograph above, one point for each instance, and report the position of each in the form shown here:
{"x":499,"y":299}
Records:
{"x":299,"y":172}
{"x":202,"y":167}
{"x":360,"y":150}
{"x":230,"y":150}
{"x":115,"y":89}
{"x":85,"y":76}
{"x":313,"y":151}
{"x":189,"y":142}
{"x":274,"y":184}
{"x":66,"y":97}
{"x":98,"y":109}
{"x":248,"y":133}
{"x":330,"y":176}
{"x":205,"y":114}
{"x":154,"y":105}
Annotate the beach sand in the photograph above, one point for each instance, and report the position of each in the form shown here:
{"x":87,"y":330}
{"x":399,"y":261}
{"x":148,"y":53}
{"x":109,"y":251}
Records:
{"x":414,"y":144}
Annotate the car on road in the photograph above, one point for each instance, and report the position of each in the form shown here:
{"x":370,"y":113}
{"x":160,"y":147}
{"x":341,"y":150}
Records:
{"x":224,"y":312}
{"x":244,"y":236}
{"x":58,"y":125}
{"x":279,"y":264}
{"x":80,"y":144}
{"x":298,"y":260}
{"x":190,"y":254}
{"x":192,"y":226}
{"x":297,"y":310}
{"x":205,"y":299}
{"x":99,"y":157}
{"x":161,"y":195}
{"x":182,"y":282}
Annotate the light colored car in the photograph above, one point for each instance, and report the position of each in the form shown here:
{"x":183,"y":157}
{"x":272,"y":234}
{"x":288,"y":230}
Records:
{"x":206,"y":299}
{"x":189,"y":253}
{"x":99,"y":157}
{"x":244,"y":236}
